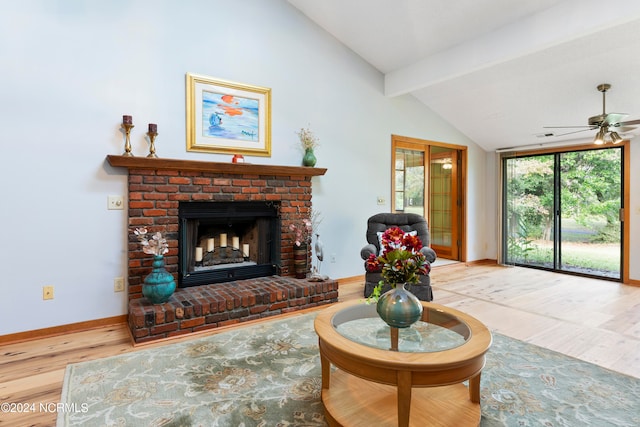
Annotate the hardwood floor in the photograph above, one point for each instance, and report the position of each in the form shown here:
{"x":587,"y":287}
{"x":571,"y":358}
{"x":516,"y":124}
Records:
{"x":593,"y":320}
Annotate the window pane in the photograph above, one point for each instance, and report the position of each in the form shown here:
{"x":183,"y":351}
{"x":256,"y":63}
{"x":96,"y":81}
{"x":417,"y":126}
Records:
{"x":440,"y":181}
{"x":591,"y":197}
{"x":409,"y":181}
{"x":529,"y":207}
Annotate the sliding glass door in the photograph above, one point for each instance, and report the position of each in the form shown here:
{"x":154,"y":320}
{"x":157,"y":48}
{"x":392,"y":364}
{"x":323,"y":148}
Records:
{"x":562,"y":211}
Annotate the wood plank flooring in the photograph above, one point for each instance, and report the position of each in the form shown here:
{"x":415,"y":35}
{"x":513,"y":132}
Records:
{"x":593,"y":320}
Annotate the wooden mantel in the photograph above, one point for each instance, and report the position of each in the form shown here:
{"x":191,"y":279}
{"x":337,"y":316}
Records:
{"x":215,"y":167}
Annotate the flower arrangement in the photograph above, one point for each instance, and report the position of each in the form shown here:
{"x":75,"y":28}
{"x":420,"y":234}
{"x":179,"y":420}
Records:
{"x":302,"y":231}
{"x":156,"y":245}
{"x":401,"y":260}
{"x":308,"y":140}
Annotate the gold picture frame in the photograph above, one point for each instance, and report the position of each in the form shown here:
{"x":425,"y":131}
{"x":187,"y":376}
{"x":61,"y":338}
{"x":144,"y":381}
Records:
{"x":228,"y":117}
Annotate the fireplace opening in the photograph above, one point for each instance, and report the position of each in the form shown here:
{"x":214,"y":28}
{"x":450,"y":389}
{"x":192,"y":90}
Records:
{"x":224,"y":241}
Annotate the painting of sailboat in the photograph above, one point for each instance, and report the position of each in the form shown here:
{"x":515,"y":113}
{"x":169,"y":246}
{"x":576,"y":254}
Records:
{"x":230,"y":116}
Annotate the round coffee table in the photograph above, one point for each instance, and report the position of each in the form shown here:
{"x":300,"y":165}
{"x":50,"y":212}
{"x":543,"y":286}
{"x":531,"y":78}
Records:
{"x":374,"y":383}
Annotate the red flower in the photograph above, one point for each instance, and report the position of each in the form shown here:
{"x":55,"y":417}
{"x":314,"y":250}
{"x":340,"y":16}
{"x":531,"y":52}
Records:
{"x":412,"y":242}
{"x":401,"y":260}
{"x":372,"y":264}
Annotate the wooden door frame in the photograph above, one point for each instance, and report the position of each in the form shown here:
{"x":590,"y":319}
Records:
{"x":398,"y":141}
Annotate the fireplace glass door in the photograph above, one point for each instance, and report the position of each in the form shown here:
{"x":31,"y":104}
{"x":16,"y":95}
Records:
{"x":225,"y":241}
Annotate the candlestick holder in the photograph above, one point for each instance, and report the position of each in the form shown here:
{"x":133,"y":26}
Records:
{"x":152,"y":147}
{"x":127,"y":139}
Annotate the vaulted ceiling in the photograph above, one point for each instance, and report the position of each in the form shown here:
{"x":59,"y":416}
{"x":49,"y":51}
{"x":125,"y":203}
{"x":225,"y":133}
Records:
{"x":499,"y":70}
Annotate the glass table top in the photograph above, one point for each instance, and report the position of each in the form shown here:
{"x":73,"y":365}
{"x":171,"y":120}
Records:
{"x":437,"y":331}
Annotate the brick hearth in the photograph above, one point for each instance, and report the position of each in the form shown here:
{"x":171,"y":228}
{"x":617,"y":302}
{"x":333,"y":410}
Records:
{"x":156,"y":188}
{"x":199,"y":308}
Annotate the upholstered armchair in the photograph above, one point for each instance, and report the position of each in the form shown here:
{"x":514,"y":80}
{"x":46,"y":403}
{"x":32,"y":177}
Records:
{"x":378,"y":224}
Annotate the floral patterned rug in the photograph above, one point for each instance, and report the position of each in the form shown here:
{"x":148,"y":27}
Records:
{"x":269,"y":375}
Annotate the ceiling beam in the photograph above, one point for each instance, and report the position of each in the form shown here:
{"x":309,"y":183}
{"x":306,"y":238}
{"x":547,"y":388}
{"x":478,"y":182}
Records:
{"x":567,"y":21}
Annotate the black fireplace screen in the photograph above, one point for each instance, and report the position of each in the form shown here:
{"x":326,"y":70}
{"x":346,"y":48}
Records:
{"x":224,"y":241}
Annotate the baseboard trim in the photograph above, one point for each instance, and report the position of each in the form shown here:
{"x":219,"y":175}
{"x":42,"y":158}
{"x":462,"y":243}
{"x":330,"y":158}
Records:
{"x":633,"y":282}
{"x":349,"y":280}
{"x":485,"y":261}
{"x":62,"y":329}
{"x":466,"y":263}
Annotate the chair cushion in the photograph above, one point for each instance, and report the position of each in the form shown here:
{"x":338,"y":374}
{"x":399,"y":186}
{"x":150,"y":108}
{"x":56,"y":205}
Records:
{"x":405,"y":221}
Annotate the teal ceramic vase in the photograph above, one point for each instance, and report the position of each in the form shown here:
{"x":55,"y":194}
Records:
{"x":159,"y":285}
{"x":309,"y":158}
{"x":399,"y":308}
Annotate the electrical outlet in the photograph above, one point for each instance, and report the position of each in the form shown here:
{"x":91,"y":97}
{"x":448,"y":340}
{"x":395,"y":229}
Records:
{"x":115,"y":203}
{"x":47,"y":292}
{"x":118,"y":284}
{"x":333,"y":257}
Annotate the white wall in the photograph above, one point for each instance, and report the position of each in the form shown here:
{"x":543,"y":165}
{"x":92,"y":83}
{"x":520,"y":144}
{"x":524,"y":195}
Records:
{"x":72,"y":68}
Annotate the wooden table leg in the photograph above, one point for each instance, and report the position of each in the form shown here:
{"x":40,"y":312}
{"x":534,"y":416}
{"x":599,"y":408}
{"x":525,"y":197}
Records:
{"x":325,"y":367}
{"x":474,"y":388}
{"x":404,"y":398}
{"x":394,"y":338}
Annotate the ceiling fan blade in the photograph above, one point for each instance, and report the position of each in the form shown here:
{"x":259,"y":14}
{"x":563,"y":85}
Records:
{"x":629,"y":122}
{"x":612,"y":118}
{"x":569,"y":127}
{"x":623,"y":129}
{"x":575,"y":131}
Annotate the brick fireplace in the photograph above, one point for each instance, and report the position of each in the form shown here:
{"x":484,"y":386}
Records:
{"x":157,"y":187}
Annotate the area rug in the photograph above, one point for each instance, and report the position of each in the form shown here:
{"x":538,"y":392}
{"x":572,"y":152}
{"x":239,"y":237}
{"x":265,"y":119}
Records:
{"x":268,"y":374}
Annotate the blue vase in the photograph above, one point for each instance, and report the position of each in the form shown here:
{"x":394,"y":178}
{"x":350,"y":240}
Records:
{"x":159,"y":285}
{"x":399,"y":308}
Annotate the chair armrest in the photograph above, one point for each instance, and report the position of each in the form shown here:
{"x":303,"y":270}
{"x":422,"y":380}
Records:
{"x":368,"y":250}
{"x":429,"y":253}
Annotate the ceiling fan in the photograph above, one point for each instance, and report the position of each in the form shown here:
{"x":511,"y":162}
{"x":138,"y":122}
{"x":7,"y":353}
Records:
{"x":606,"y":123}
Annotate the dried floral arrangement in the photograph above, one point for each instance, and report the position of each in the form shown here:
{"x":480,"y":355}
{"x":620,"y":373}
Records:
{"x":308,"y":140}
{"x":154,"y":245}
{"x":303,"y":229}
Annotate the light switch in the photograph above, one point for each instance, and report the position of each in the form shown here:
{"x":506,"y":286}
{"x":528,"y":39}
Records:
{"x":115,"y":203}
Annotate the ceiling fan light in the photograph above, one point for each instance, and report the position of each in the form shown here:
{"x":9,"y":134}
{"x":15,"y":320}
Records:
{"x":599,"y":139}
{"x":615,"y":138}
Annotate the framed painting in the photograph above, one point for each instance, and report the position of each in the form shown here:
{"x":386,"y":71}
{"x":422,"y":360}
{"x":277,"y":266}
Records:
{"x":228,"y":117}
